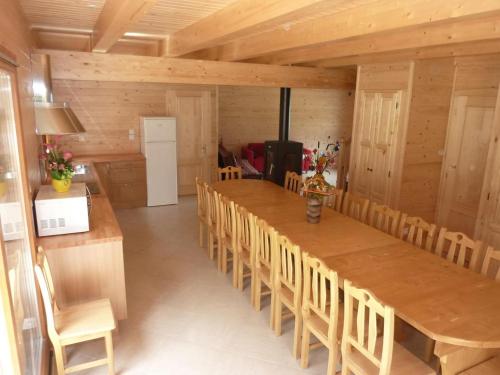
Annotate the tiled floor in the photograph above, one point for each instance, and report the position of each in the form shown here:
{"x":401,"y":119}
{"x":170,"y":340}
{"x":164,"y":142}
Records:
{"x":184,"y":316}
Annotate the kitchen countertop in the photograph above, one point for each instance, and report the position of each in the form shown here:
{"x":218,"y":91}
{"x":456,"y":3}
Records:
{"x":103,"y":224}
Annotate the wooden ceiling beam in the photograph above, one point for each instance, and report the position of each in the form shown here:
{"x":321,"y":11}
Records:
{"x":377,"y":17}
{"x":114,"y":20}
{"x":241,"y":18}
{"x":87,"y":66}
{"x":456,"y":50}
{"x":456,"y":32}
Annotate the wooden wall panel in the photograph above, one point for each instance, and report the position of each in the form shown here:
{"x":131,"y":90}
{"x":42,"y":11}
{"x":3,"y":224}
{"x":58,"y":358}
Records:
{"x":384,"y":76}
{"x":247,"y":114}
{"x":321,"y":115}
{"x":252,"y":115}
{"x":108,"y":110}
{"x":426,"y":133}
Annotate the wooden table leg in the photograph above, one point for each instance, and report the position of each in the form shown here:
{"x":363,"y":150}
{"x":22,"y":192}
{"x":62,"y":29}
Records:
{"x":454,"y":359}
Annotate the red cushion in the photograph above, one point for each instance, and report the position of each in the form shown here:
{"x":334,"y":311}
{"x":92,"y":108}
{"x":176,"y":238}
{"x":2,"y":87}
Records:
{"x":258,"y":148}
{"x":248,"y":154}
{"x":259,"y":163}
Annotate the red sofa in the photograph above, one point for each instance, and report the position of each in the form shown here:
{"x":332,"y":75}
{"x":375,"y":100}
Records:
{"x":254,"y":153}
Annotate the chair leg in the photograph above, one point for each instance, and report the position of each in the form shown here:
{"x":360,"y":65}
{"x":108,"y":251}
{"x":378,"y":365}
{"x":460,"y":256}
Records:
{"x":109,"y":353}
{"x":257,"y":292}
{"x":210,"y":245}
{"x":201,"y":234}
{"x":236,"y":269}
{"x":220,"y":250}
{"x":252,"y":286}
{"x":297,"y":334}
{"x":332,"y":360}
{"x":304,"y":353}
{"x":273,"y":308}
{"x":58,"y":354}
{"x":64,"y":355}
{"x":224,"y":260}
{"x":278,"y":315}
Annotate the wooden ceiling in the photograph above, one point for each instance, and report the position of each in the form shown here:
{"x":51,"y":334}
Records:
{"x":320,"y":33}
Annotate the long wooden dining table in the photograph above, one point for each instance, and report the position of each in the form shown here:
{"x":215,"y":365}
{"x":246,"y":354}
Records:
{"x":444,"y":301}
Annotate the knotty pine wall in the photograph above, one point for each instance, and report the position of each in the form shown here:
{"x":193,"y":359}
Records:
{"x":251,"y":114}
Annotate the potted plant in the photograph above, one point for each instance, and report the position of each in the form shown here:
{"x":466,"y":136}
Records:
{"x":316,"y":187}
{"x":59,"y":166}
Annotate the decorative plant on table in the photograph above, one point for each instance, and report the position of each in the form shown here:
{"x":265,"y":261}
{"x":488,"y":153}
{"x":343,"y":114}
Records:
{"x":59,"y":166}
{"x":316,"y":187}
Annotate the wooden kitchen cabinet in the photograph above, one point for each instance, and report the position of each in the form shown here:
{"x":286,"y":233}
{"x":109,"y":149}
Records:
{"x":124,"y":182}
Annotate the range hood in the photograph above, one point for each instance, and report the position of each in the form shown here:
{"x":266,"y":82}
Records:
{"x":52,"y":118}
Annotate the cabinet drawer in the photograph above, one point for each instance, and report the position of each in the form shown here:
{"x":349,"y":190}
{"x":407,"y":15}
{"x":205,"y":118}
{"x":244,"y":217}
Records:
{"x":129,"y":194}
{"x":130,"y":175}
{"x":128,"y":164}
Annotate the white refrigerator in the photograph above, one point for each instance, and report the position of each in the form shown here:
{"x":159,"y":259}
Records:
{"x":158,"y":144}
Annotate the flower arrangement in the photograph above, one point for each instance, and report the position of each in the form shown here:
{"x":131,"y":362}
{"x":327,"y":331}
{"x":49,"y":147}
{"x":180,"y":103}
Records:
{"x":58,"y":162}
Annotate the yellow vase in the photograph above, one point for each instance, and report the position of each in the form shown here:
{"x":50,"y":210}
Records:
{"x":61,"y":186}
{"x":3,"y":188}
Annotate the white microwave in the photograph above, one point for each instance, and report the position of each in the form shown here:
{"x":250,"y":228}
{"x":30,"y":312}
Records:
{"x":62,"y":213}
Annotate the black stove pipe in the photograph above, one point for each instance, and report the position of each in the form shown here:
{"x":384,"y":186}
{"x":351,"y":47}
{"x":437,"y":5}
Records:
{"x":284,"y":125}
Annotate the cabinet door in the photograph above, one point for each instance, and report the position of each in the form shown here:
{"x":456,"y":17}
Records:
{"x":488,"y":223}
{"x":383,"y":149}
{"x":366,"y":121}
{"x":193,"y":112}
{"x":467,"y":145}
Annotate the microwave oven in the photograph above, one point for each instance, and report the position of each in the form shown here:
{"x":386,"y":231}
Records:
{"x":62,"y":213}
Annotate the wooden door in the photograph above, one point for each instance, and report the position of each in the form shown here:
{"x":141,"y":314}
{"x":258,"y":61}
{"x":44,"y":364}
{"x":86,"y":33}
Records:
{"x":488,"y":222}
{"x":384,"y":144}
{"x":466,"y":153}
{"x":192,"y":110}
{"x":366,"y":122}
{"x":375,"y":143}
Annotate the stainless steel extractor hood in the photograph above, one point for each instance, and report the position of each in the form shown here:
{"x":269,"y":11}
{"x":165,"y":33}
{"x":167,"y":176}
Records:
{"x":52,"y":118}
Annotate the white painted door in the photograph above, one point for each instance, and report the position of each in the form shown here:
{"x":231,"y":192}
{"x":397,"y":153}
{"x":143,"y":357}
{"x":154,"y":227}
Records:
{"x":192,"y":109}
{"x":466,"y":153}
{"x":375,"y":144}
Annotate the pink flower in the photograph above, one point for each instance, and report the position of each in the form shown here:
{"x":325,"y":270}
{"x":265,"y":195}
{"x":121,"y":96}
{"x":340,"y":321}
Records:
{"x":49,"y":146}
{"x":61,"y":167}
{"x":67,"y":155}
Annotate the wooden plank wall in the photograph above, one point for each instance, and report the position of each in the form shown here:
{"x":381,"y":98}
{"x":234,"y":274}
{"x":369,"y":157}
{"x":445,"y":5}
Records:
{"x":15,"y":38}
{"x":251,"y":114}
{"x":108,"y":110}
{"x":426,"y":133}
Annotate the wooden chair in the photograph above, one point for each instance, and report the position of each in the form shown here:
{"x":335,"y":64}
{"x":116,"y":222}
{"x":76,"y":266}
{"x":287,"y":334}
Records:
{"x":355,"y":207}
{"x":458,"y":248}
{"x":417,"y":231}
{"x":293,"y":182}
{"x":335,"y":200}
{"x":213,"y":222}
{"x":491,"y":263}
{"x":228,"y":236}
{"x":75,"y":324}
{"x":245,"y":241}
{"x":364,"y":351}
{"x":265,"y":254}
{"x":489,"y":367}
{"x":229,"y":173}
{"x":288,"y":288}
{"x":202,"y":208}
{"x":384,"y":218}
{"x":320,"y":310}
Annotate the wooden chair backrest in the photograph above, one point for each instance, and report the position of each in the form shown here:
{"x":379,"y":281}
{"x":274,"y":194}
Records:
{"x":355,"y":207}
{"x":43,"y":261}
{"x":321,"y":293}
{"x":334,"y":200}
{"x":384,"y":218}
{"x":48,"y":301}
{"x":201,"y":195}
{"x":289,"y":267}
{"x":265,"y":245}
{"x":228,"y":219}
{"x":245,"y":231}
{"x":360,"y":334}
{"x":293,"y":182}
{"x":229,"y":173}
{"x":417,"y":231}
{"x":491,"y":263}
{"x":213,"y":208}
{"x":456,"y":247}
